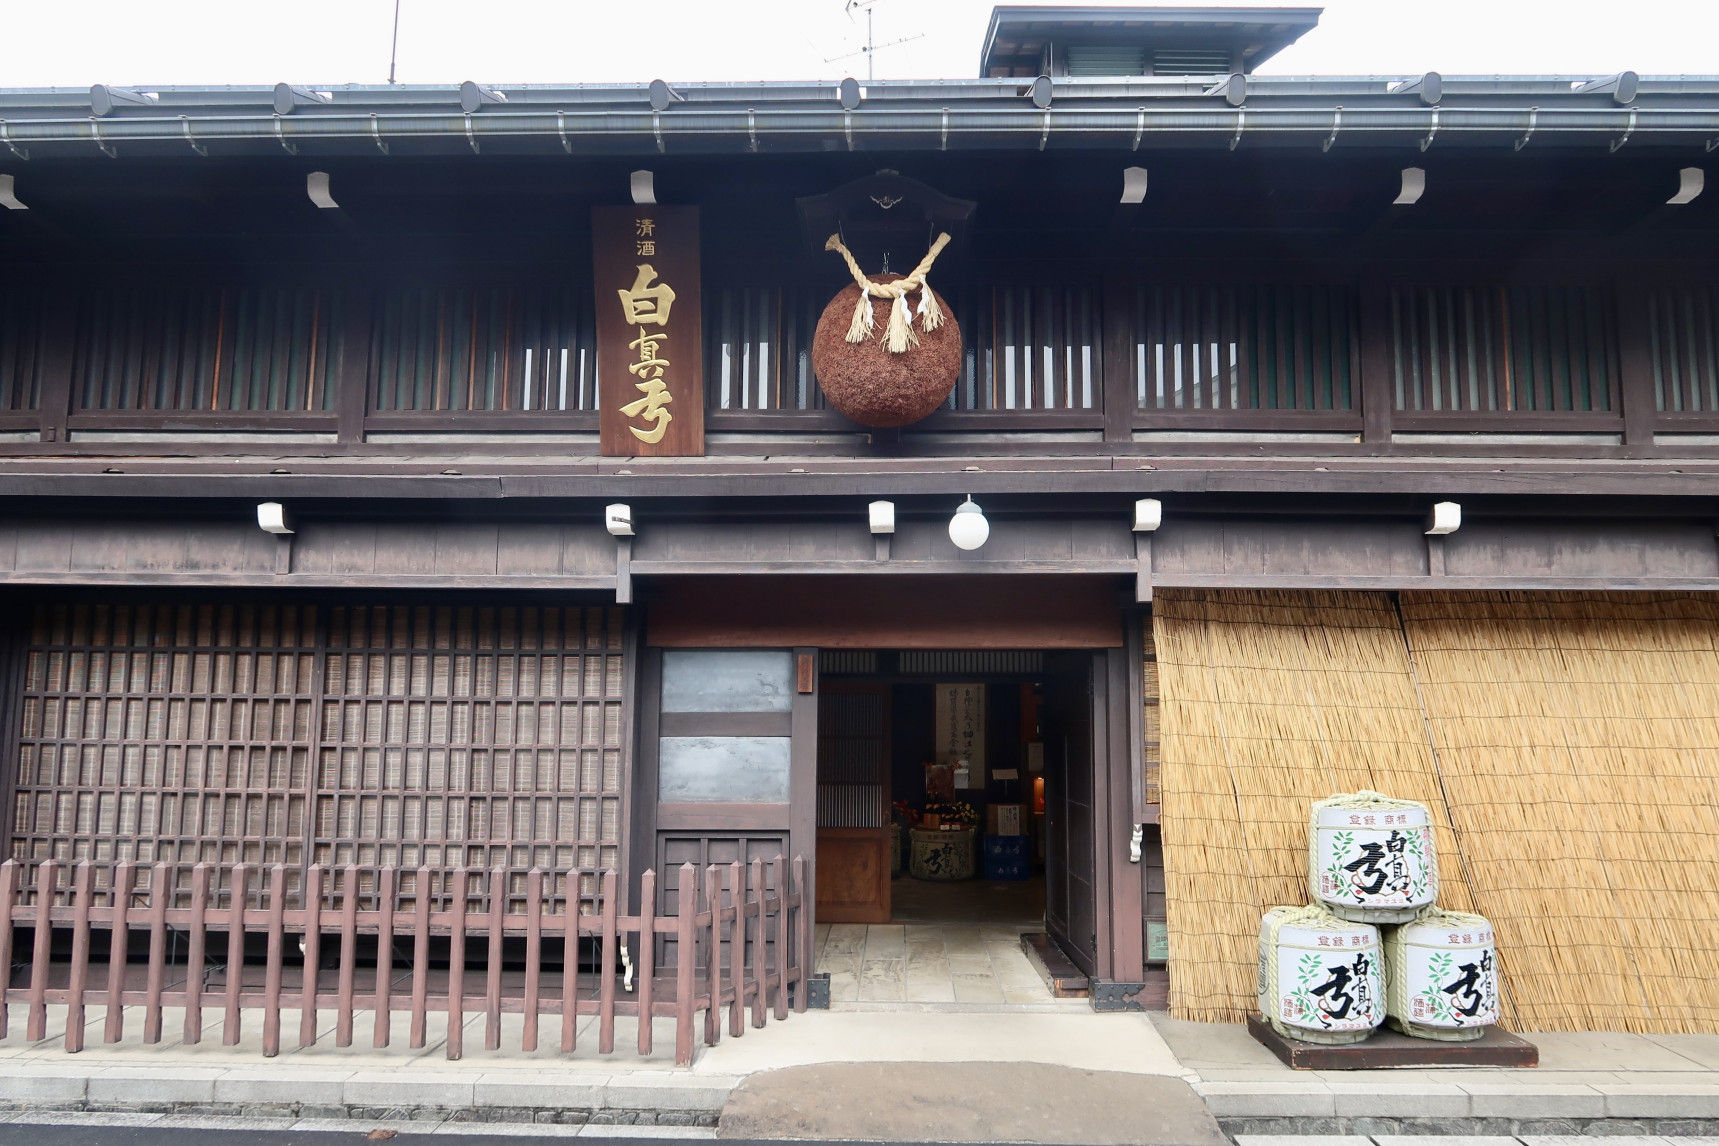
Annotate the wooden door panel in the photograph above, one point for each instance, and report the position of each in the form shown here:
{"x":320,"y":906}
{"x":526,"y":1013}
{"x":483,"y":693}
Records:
{"x":1071,"y":910}
{"x":853,"y":875}
{"x":853,"y":795}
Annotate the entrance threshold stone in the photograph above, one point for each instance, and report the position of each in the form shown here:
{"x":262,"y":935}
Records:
{"x":1389,"y":1050}
{"x":1066,"y":981}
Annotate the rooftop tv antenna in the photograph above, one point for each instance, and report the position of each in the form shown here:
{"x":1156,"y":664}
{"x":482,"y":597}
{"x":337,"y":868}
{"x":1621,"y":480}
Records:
{"x":872,"y":47}
{"x":394,"y":51}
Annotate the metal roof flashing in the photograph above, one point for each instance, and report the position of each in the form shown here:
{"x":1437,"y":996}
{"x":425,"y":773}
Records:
{"x":1123,"y":113}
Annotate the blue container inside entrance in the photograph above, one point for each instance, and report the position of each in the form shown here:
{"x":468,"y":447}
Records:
{"x":1007,"y":857}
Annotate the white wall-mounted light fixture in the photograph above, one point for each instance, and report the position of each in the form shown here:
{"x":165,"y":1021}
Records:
{"x":316,"y":186}
{"x":881,"y":515}
{"x":644,"y":187}
{"x":9,"y":194}
{"x":968,"y":529}
{"x":271,"y":518}
{"x":1446,"y":517}
{"x":1148,"y":515}
{"x":618,"y":519}
{"x":1133,"y":184}
{"x":1414,"y":186}
{"x":1691,"y":181}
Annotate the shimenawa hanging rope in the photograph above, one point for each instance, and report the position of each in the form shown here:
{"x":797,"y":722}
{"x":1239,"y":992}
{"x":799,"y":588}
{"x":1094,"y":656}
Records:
{"x":899,"y":336}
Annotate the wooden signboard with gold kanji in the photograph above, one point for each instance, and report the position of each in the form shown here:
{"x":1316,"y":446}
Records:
{"x":650,"y":330}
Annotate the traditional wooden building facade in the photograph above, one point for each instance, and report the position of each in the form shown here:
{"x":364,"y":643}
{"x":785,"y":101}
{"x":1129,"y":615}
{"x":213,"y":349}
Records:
{"x":500,"y":611}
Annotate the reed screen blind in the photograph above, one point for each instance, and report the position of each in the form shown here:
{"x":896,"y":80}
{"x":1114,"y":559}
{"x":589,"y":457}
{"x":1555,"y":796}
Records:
{"x":208,"y":348}
{"x":20,"y":349}
{"x":1223,"y":348}
{"x":1684,"y":331}
{"x":516,"y":349}
{"x":1485,"y":350}
{"x":411,"y":735}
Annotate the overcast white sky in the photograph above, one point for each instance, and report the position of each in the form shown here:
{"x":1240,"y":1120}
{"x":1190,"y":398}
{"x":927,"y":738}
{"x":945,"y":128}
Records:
{"x":73,"y":43}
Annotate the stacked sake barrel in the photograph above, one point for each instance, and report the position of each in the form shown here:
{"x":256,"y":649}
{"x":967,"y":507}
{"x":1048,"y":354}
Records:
{"x":1374,"y":947}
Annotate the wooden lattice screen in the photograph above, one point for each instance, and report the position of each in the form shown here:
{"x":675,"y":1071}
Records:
{"x":283,"y":733}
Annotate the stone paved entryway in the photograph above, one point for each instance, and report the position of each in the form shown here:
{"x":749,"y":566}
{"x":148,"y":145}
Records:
{"x":976,"y":965}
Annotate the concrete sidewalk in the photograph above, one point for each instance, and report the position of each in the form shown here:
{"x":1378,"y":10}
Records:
{"x":544,"y":1087}
{"x":1590,"y":1083}
{"x":1587,"y":1083}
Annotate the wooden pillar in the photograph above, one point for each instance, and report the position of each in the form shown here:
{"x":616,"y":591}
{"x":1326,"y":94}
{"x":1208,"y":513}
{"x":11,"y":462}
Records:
{"x":59,"y":346}
{"x":352,"y":396}
{"x":1117,"y":359}
{"x":803,"y":769}
{"x":1376,"y":364}
{"x":1122,"y":730}
{"x":1636,"y":391}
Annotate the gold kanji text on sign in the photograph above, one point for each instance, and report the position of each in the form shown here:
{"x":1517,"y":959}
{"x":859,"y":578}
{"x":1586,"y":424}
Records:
{"x":648,"y":305}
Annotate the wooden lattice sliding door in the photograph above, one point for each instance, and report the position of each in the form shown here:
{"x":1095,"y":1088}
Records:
{"x":294,"y":733}
{"x":474,"y":736}
{"x":166,"y":733}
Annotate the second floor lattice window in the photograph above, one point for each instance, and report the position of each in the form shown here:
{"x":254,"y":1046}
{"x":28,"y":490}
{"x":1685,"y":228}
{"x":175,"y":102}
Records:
{"x":264,"y":349}
{"x":20,"y":350}
{"x":1025,"y":348}
{"x":1029,"y":348}
{"x":1217,"y":348}
{"x":1541,"y":349}
{"x":1683,"y":324}
{"x":485,"y":348}
{"x":758,"y":349}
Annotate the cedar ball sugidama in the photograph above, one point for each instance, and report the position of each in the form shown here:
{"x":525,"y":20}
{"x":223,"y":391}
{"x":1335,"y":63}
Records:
{"x":868,"y":383}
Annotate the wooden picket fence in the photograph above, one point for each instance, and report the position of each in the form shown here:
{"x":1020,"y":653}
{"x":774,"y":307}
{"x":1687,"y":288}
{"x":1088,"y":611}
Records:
{"x":745,"y":945}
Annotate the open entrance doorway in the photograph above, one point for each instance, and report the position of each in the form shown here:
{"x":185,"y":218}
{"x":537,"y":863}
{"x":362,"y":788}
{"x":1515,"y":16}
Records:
{"x":954,"y":814}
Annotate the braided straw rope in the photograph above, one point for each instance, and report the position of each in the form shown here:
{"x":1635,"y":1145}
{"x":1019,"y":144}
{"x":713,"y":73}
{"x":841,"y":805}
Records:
{"x":900,"y":336}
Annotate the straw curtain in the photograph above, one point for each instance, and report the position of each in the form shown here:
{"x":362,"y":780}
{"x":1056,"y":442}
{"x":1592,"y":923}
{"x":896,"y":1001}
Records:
{"x":1568,"y":745}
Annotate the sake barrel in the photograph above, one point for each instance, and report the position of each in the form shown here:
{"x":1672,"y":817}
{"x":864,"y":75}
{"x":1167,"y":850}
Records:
{"x":1441,"y":972}
{"x":1320,"y":977}
{"x":1372,"y":859}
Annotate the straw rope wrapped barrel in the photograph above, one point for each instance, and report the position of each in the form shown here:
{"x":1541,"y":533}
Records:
{"x":1320,"y":977}
{"x":1371,"y":858}
{"x":1441,"y":976}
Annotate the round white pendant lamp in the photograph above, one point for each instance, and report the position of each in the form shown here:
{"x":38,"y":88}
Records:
{"x":968,"y":529}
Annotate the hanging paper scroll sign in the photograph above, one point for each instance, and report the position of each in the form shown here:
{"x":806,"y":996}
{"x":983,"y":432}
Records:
{"x":887,"y":351}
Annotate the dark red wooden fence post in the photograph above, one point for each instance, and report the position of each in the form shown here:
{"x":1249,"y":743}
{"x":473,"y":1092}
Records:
{"x":277,"y":957}
{"x":312,"y":955}
{"x":647,"y":958}
{"x":119,"y":941}
{"x":387,"y":887}
{"x":37,"y":1029}
{"x":238,"y":888}
{"x":84,"y":891}
{"x":606,"y":968}
{"x":457,"y":966}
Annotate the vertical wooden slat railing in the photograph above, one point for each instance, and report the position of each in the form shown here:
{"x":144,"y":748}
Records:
{"x":738,"y":941}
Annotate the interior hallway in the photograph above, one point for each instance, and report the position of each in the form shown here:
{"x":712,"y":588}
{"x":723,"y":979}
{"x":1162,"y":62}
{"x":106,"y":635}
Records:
{"x":951,"y":944}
